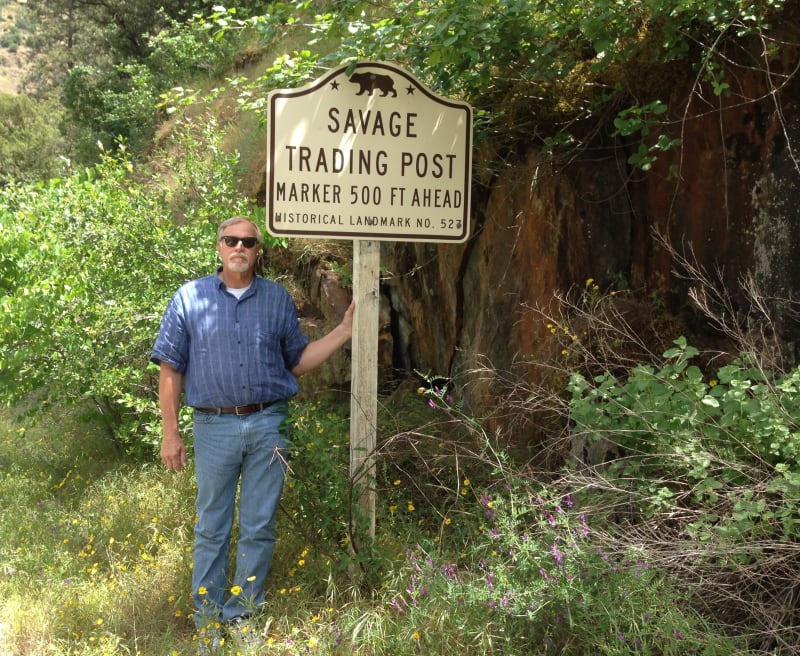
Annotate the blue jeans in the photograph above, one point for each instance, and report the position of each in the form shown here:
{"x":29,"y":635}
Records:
{"x":248,"y":452}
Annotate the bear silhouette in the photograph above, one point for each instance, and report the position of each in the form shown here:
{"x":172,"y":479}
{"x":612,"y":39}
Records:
{"x":371,"y":81}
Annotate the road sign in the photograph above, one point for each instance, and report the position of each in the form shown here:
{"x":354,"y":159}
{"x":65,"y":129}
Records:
{"x":372,"y":155}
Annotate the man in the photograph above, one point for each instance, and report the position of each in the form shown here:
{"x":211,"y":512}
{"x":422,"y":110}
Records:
{"x":234,"y":341}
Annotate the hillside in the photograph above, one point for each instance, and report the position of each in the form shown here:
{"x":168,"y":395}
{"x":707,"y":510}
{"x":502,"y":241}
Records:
{"x":588,"y":410}
{"x":12,"y":54}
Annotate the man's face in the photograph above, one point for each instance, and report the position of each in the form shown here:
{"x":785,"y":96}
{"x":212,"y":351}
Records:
{"x":238,"y":257}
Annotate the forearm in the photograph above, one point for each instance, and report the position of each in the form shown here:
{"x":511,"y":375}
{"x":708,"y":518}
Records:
{"x":320,"y":350}
{"x":170,"y":384}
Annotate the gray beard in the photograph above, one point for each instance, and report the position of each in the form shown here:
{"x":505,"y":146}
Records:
{"x":238,"y":266}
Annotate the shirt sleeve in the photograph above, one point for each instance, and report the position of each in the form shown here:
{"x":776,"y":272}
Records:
{"x":294,"y":341}
{"x":172,"y":344}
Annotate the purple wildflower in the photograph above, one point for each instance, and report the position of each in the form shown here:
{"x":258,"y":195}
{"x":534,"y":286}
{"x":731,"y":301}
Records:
{"x":450,"y":571}
{"x":557,"y":555}
{"x":486,"y":502}
{"x":396,"y":605}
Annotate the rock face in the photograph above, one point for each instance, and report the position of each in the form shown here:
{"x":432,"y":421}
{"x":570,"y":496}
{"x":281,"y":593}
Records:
{"x":728,"y":199}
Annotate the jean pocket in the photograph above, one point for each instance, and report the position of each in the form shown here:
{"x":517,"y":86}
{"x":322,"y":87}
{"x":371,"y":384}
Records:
{"x":205,"y":418}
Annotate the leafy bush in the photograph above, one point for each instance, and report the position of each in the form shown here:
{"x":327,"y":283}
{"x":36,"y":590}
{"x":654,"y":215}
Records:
{"x":110,"y":106}
{"x":698,"y":467}
{"x":116,"y":101}
{"x":528,"y":67}
{"x":29,"y":140}
{"x":87,"y":267}
{"x":477,"y":558}
{"x":715,"y":436}
{"x":318,"y":497}
{"x":187,"y":50}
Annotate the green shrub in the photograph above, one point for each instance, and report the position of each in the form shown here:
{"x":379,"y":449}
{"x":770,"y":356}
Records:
{"x":88,"y":265}
{"x":29,"y":140}
{"x":716,"y":435}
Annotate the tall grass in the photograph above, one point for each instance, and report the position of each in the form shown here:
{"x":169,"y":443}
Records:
{"x":476,"y":556}
{"x":686,"y":543}
{"x":95,"y":548}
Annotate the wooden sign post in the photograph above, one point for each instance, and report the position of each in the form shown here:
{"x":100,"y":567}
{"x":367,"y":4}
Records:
{"x":367,"y":153}
{"x":364,"y":373}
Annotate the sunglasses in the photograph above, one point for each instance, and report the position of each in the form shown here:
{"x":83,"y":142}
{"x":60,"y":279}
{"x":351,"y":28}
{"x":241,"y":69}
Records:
{"x":231,"y":242}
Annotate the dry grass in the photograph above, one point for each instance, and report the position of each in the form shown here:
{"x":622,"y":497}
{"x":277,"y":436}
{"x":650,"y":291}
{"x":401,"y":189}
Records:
{"x":13,"y":64}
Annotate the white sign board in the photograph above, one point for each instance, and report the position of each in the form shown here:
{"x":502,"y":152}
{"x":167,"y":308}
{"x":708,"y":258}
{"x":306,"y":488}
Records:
{"x":371,"y":155}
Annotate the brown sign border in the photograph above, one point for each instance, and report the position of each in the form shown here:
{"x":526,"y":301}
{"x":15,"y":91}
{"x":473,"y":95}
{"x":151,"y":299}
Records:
{"x":321,"y":82}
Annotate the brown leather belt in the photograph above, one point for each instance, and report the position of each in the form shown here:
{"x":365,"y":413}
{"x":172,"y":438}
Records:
{"x":236,"y":410}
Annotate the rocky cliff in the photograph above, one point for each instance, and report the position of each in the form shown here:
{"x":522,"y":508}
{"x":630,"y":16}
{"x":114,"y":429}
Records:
{"x":721,"y":205}
{"x":727,"y":200}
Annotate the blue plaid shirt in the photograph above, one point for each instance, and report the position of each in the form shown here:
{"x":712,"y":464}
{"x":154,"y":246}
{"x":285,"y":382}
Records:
{"x":231,"y":351}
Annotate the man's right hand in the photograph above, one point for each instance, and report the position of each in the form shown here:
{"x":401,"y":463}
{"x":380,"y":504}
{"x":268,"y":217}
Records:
{"x":173,"y":452}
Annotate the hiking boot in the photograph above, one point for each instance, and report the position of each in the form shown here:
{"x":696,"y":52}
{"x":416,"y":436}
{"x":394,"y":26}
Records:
{"x":243,"y":631}
{"x":209,"y":640}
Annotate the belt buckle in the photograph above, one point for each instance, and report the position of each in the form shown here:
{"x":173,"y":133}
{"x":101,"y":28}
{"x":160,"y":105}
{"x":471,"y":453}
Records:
{"x":236,"y":410}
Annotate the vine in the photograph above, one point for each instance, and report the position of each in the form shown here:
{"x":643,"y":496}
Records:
{"x":529,"y":68}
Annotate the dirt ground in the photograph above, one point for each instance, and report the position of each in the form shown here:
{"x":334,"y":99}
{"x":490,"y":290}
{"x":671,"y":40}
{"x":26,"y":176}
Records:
{"x":11,"y":63}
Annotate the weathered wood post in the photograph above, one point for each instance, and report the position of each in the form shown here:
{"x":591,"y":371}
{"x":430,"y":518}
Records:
{"x":367,"y":153}
{"x":364,"y":377}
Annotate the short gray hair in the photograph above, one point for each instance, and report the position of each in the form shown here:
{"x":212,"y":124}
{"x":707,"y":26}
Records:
{"x":239,"y":219}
